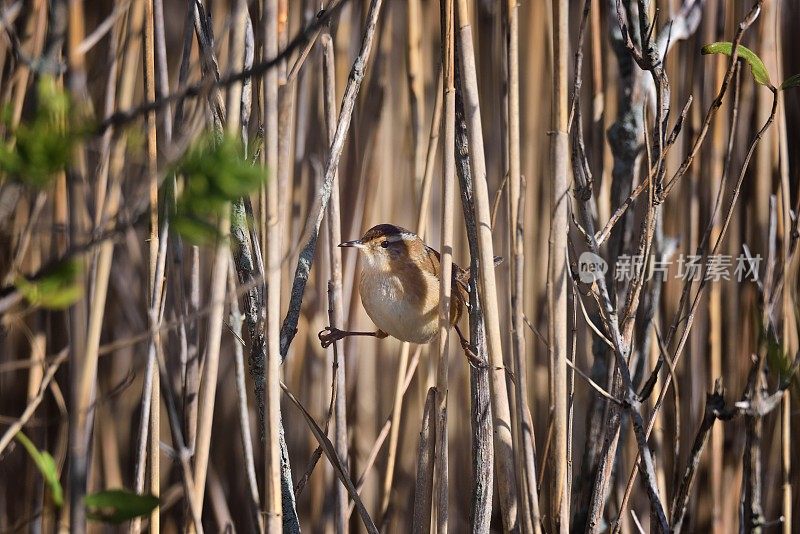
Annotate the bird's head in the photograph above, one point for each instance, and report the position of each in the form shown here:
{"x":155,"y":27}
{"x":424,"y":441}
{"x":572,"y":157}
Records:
{"x":385,"y":244}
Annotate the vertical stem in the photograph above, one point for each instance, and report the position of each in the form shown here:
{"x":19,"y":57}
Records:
{"x":446,"y":265}
{"x":208,"y":383}
{"x":557,"y":275}
{"x":786,"y":460}
{"x":516,"y":218}
{"x":336,"y":304}
{"x":416,"y":90}
{"x":154,"y":285}
{"x":480,"y":388}
{"x":501,"y":416}
{"x":272,"y":259}
{"x":84,"y":365}
{"x":421,"y":522}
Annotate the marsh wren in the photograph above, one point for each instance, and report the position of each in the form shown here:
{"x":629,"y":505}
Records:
{"x":400,"y":288}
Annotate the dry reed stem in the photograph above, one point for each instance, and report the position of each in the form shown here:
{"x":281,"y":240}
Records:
{"x":416,"y":90}
{"x":271,"y":226}
{"x":442,"y":478}
{"x":335,"y":292}
{"x":151,"y":399}
{"x":557,"y":268}
{"x":525,"y":447}
{"x":423,"y":489}
{"x":241,"y":397}
{"x":84,"y":370}
{"x":501,"y":417}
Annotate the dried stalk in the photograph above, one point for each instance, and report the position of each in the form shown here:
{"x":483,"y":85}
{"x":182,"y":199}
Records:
{"x":480,"y":390}
{"x":441,"y":468}
{"x":83,"y":371}
{"x":335,"y":289}
{"x":501,"y":417}
{"x":557,"y":269}
{"x":423,"y":489}
{"x":241,"y":397}
{"x":516,"y":220}
{"x":271,"y":226}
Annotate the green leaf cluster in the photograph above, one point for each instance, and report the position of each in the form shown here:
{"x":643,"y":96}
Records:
{"x":57,"y":289}
{"x":214,"y":174}
{"x":42,"y":146}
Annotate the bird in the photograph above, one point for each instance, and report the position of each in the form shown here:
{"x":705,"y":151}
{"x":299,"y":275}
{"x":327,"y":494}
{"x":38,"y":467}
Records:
{"x":399,"y":288}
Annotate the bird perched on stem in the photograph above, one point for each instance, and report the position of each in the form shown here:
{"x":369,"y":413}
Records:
{"x":400,"y":288}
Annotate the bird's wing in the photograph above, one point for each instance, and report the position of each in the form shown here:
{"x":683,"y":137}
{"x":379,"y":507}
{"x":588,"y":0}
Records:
{"x":460,"y":280}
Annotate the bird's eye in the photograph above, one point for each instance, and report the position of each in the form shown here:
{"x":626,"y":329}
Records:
{"x":385,"y":244}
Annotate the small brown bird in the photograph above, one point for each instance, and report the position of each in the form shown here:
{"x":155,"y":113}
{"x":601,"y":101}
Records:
{"x":400,"y":288}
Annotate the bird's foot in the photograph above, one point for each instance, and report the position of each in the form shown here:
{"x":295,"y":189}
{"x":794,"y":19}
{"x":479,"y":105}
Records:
{"x":330,"y":335}
{"x":472,"y":358}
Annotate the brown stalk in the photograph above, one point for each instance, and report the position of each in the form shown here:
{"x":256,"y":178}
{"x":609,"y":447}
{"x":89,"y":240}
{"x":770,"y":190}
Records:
{"x":271,"y":241}
{"x":335,"y":291}
{"x":557,"y":269}
{"x":83,"y":376}
{"x":501,"y":417}
{"x":480,"y":389}
{"x":441,"y":469}
{"x":423,"y":489}
{"x":516,"y":219}
{"x":416,"y":90}
{"x":157,"y":258}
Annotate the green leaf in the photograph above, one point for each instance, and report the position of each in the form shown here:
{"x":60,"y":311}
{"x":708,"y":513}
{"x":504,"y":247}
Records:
{"x":118,"y":505}
{"x":46,"y":465}
{"x":57,"y":289}
{"x":213,"y":173}
{"x":757,"y":67}
{"x":42,"y":146}
{"x":791,"y":81}
{"x":195,"y":230}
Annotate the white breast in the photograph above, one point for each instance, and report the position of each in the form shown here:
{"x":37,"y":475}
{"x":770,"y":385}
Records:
{"x":390,"y":309}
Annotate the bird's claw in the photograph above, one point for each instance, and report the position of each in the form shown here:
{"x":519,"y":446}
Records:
{"x":330,"y":335}
{"x":472,"y":358}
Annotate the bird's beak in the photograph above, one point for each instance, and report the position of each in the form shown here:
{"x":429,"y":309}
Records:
{"x":356,"y":243}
